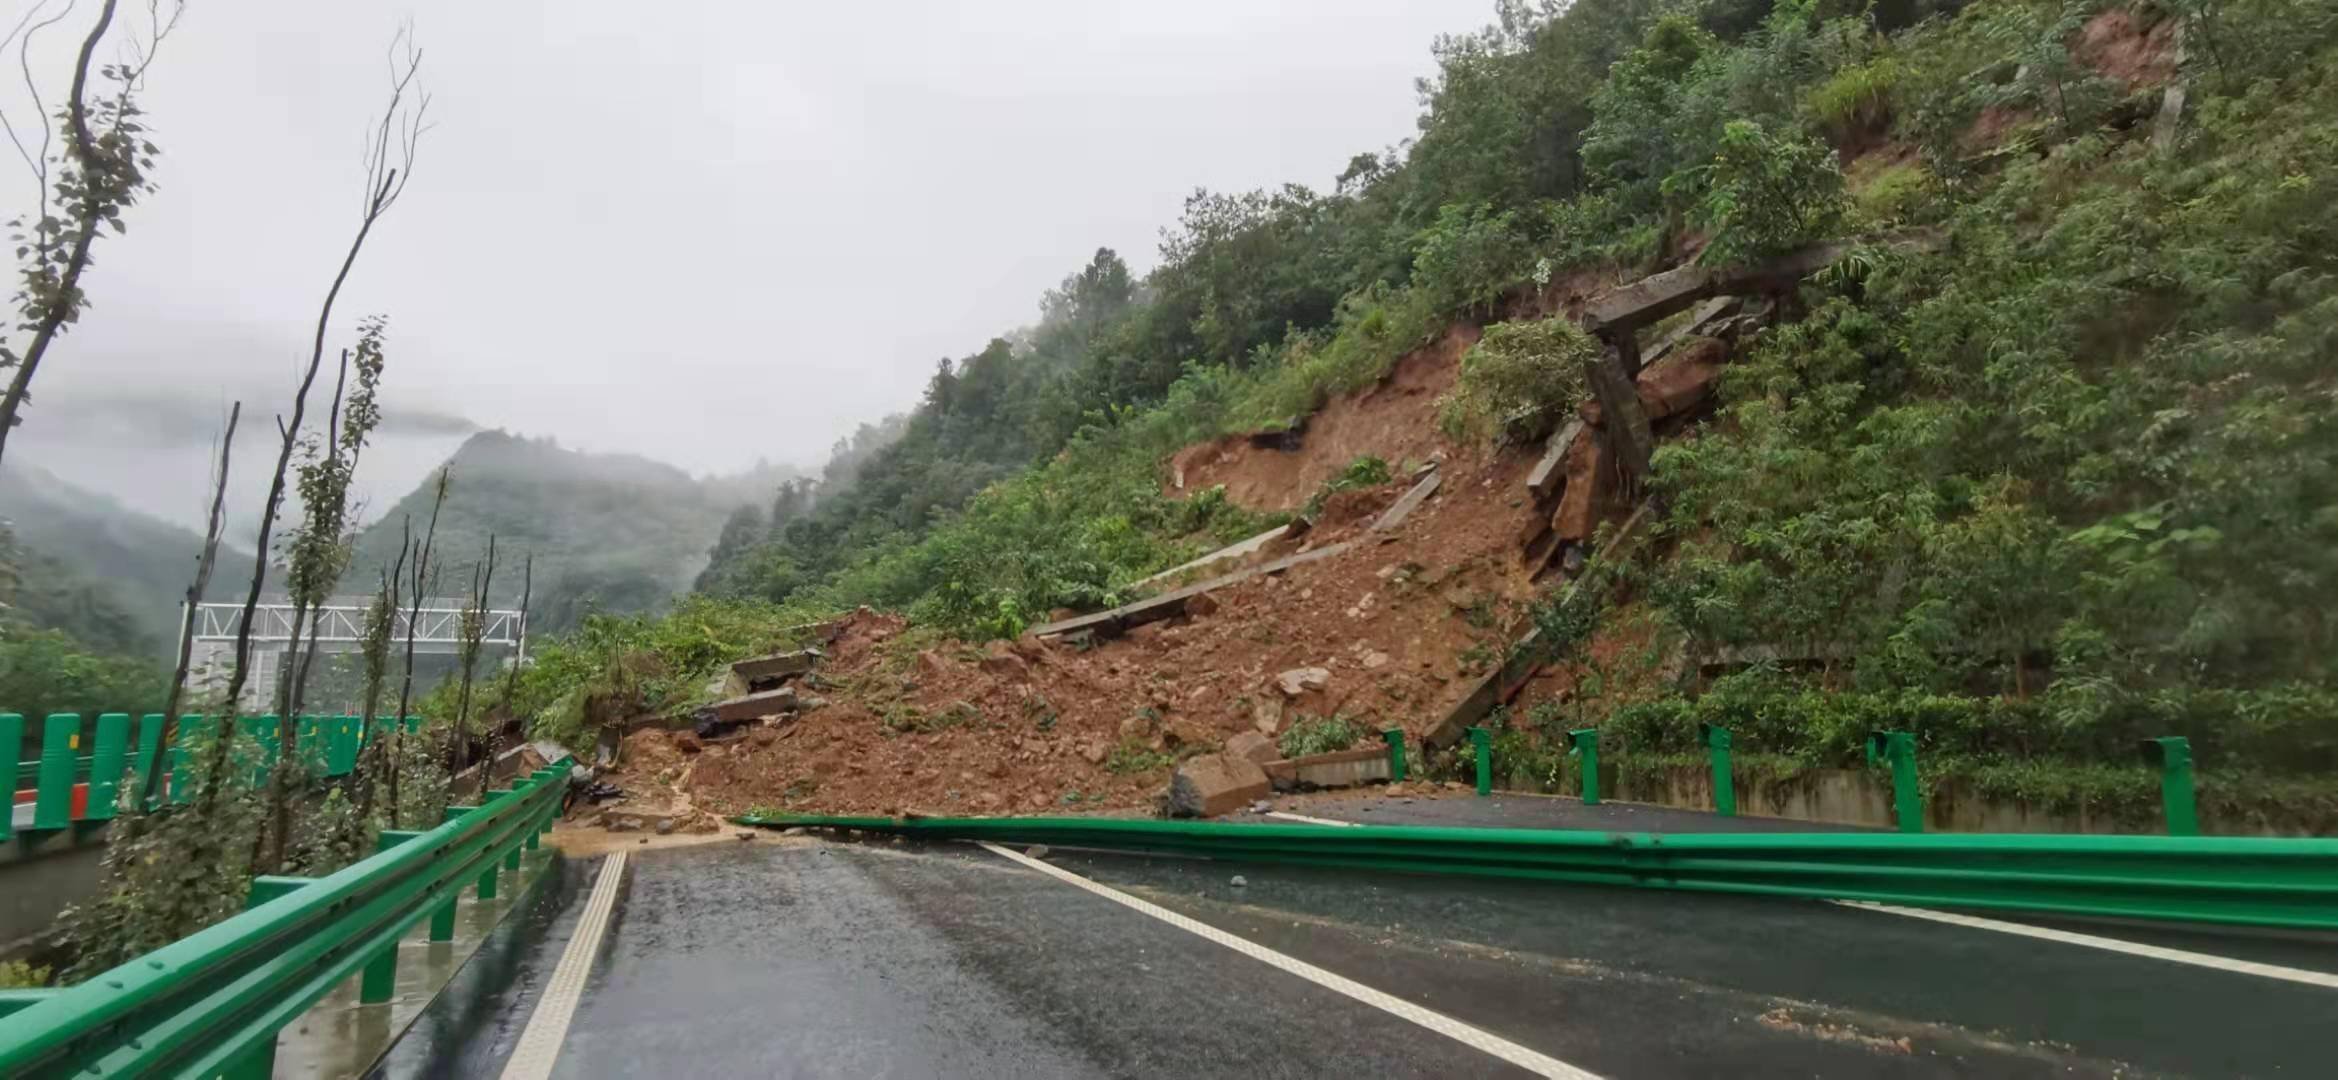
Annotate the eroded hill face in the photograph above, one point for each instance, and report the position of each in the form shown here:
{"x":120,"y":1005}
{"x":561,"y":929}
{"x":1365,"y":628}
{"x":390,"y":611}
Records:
{"x":1402,"y":623}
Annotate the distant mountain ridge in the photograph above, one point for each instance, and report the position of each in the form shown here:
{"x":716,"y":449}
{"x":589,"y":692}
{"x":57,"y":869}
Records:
{"x":610,"y":532}
{"x":85,"y":552}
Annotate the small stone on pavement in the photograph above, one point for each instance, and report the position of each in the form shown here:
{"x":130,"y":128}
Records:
{"x":1036,"y":851}
{"x":1239,"y":881}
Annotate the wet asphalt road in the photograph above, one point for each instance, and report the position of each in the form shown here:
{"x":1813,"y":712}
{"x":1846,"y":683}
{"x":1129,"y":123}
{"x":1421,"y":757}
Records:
{"x":877,"y":959}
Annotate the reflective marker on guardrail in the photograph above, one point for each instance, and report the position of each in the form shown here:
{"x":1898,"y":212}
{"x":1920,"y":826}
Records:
{"x":2173,"y":755}
{"x":1898,"y":748}
{"x":1716,"y":739}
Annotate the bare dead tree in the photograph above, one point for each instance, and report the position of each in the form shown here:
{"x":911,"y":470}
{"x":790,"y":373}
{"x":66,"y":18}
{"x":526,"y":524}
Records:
{"x":104,"y":173}
{"x":151,"y":788}
{"x":474,"y":628}
{"x":424,"y":576}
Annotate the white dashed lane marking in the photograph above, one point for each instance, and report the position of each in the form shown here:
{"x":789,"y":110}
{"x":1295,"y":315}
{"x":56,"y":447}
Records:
{"x":2090,"y":941}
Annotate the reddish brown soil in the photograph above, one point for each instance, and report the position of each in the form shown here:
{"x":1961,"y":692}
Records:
{"x":2126,"y":49}
{"x":970,"y":731}
{"x":1395,"y":420}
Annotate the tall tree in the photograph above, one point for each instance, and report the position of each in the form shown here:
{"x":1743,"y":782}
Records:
{"x":151,"y":788}
{"x":102,"y":173}
{"x":401,"y":130}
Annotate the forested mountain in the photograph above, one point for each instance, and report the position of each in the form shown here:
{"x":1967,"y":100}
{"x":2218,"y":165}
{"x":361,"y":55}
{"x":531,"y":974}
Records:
{"x":108,"y":575}
{"x":609,"y":532}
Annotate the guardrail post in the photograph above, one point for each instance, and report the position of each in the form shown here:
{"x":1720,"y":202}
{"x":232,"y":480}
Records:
{"x":1481,"y":744}
{"x":486,"y":877}
{"x":259,"y":1063}
{"x":112,"y":753}
{"x":149,"y":745}
{"x":2173,"y":755}
{"x":52,"y":807}
{"x":12,"y":737}
{"x":1899,"y":748}
{"x":379,"y":983}
{"x":1395,"y":738}
{"x":1724,"y":785}
{"x":1584,"y":742}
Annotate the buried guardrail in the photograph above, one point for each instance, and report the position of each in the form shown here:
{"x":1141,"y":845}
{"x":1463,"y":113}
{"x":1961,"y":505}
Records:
{"x":212,"y":1003}
{"x":2257,"y":881}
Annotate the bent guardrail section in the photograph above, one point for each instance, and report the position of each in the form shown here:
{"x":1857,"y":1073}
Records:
{"x":2257,"y":881}
{"x":211,"y":1004}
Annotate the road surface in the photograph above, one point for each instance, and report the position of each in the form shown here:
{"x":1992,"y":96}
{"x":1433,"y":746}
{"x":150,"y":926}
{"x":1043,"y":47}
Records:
{"x":808,"y":958}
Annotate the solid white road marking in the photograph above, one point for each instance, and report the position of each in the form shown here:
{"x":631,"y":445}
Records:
{"x":548,"y":1026}
{"x":1305,"y":818}
{"x":1524,"y":1058}
{"x":2155,"y":952}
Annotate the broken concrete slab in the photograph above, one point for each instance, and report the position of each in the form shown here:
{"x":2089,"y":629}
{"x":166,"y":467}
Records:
{"x":1215,"y":784}
{"x":1231,"y":551}
{"x":1590,"y":478}
{"x":1338,"y":769}
{"x":1407,"y":503}
{"x":1116,"y":621}
{"x":1546,"y":476}
{"x":1705,"y":321}
{"x":739,"y":710}
{"x":758,"y":673}
{"x":1504,"y":682}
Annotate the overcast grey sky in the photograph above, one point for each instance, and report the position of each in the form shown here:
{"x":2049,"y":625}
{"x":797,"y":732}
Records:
{"x":705,"y":233}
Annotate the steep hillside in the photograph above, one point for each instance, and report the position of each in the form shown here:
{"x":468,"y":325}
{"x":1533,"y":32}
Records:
{"x":610,"y":532}
{"x":1986,"y":398}
{"x":109,"y":575}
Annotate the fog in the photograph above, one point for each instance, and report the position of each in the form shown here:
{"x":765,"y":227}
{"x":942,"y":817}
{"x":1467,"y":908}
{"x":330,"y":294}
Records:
{"x":704,"y":233}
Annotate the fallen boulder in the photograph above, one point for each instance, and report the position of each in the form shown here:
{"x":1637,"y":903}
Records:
{"x":1215,"y":784}
{"x":1252,"y":747}
{"x":1298,"y":681}
{"x":1684,"y":380}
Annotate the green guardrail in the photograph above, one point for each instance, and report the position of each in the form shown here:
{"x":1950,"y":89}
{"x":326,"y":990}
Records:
{"x":101,"y":756}
{"x":211,"y":1004}
{"x":2257,"y":881}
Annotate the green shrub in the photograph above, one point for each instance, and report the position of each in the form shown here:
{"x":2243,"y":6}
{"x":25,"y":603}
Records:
{"x":1319,"y":735}
{"x":1133,"y":755}
{"x":1764,"y":193}
{"x":1518,"y":370}
{"x":1893,"y":196}
{"x":1856,"y":99}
